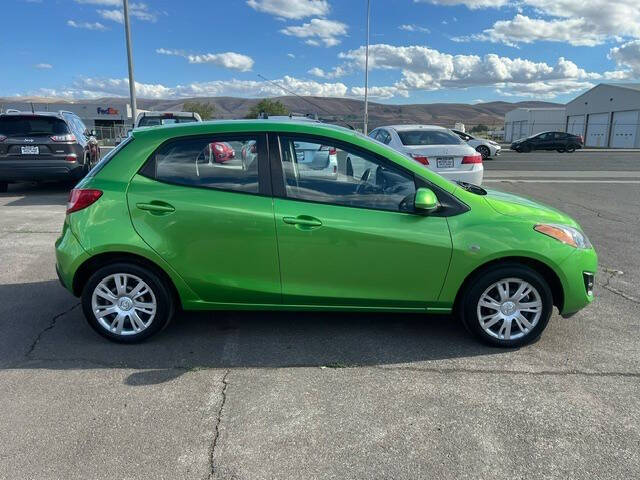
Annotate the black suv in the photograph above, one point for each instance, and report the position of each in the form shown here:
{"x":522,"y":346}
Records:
{"x":44,"y":146}
{"x":560,"y":141}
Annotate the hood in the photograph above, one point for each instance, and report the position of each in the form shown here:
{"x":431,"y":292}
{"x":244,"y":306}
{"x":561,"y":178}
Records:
{"x":515,"y":206}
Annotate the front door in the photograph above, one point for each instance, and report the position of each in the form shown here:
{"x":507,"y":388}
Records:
{"x":209,"y":214}
{"x":355,"y":241}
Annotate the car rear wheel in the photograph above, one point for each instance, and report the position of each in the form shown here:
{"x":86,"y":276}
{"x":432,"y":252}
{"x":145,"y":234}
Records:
{"x":570,"y":149}
{"x":484,"y":151}
{"x":507,"y":306}
{"x":561,"y":150}
{"x":126,"y":303}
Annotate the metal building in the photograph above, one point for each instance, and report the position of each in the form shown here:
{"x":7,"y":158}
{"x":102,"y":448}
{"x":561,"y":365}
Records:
{"x":523,"y":122}
{"x":608,"y":115}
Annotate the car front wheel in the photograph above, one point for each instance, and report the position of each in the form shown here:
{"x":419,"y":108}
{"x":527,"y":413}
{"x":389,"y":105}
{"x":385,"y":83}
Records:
{"x":484,"y":151}
{"x":507,"y":306}
{"x":126,"y":303}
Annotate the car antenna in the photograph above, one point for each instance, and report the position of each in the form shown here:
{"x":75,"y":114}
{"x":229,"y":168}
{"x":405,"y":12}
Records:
{"x":305,"y":99}
{"x":32,"y":110}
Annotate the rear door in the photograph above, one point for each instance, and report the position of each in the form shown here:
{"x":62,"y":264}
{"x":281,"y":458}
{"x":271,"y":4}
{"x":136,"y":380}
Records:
{"x":355,"y":240}
{"x":212,"y":222}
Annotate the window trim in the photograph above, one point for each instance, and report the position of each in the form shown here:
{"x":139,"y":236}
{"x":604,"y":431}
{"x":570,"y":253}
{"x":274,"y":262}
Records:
{"x":149,"y":167}
{"x":277,"y":174}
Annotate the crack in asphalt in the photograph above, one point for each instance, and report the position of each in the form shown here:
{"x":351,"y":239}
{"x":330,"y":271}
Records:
{"x":598,"y":213}
{"x":216,"y":435}
{"x":497,"y":371}
{"x":52,"y":324}
{"x":606,"y":285}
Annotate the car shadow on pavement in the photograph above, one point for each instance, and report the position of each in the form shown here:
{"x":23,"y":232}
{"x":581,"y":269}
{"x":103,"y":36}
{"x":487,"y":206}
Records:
{"x":231,"y":339}
{"x":48,"y":193}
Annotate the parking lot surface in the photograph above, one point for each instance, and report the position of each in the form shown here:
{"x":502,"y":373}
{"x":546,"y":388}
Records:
{"x":248,"y":395}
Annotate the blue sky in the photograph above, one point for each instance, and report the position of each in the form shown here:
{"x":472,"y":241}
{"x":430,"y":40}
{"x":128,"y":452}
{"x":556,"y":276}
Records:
{"x":421,"y":50}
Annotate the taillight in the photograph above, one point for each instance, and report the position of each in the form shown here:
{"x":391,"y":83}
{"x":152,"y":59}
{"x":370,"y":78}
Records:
{"x":80,"y":198}
{"x":69,"y":137}
{"x":467,"y":159}
{"x":71,"y":157}
{"x":2,"y":138}
{"x":580,"y":139}
{"x":332,"y":150}
{"x":423,"y":159}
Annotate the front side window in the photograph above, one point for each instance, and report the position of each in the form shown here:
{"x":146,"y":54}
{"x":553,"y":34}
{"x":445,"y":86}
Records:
{"x":429,"y":137}
{"x":369,"y":182}
{"x":224,"y":163}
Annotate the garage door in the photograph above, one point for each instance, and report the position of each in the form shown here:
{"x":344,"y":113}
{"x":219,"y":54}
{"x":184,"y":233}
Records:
{"x":597,"y":130}
{"x":624,"y":128}
{"x":575,"y":125}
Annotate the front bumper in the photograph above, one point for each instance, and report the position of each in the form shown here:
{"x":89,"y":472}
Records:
{"x":576,"y":291}
{"x":27,"y":170}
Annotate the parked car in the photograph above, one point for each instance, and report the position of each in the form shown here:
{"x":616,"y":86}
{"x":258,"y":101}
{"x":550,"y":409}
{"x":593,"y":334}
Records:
{"x":44,"y":146}
{"x":137,"y":240}
{"x":486,"y":148}
{"x":437,"y":148}
{"x":152,"y":119}
{"x":560,"y":141}
{"x":221,"y":152}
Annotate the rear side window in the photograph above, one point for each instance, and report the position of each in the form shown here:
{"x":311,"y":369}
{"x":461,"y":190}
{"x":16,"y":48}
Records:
{"x":108,"y":157}
{"x":429,"y":137}
{"x":31,"y":125}
{"x":224,"y":163}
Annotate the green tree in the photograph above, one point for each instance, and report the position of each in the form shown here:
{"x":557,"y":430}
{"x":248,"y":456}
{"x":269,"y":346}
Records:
{"x":268,"y":106}
{"x":205,"y":110}
{"x":479,"y":128}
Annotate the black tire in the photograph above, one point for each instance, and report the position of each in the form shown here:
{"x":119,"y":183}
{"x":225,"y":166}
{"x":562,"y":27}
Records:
{"x":468,"y":307}
{"x":161,"y":291}
{"x":4,"y":186}
{"x":484,"y":151}
{"x":561,"y":150}
{"x":525,"y":148}
{"x":570,"y":149}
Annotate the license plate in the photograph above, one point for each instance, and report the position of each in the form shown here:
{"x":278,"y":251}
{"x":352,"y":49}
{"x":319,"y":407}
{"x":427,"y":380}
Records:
{"x":30,"y":150}
{"x":444,"y":162}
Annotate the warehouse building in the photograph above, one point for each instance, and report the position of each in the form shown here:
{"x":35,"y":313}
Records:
{"x":524,"y":122}
{"x":608,"y":115}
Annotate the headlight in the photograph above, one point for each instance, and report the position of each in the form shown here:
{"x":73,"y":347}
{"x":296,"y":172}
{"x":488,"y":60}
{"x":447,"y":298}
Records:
{"x":565,"y":234}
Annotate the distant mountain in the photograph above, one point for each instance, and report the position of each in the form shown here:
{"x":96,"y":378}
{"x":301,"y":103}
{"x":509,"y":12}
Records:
{"x":349,"y":110}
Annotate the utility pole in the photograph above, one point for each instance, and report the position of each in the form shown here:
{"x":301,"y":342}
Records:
{"x":132,"y":83}
{"x":366,"y":75}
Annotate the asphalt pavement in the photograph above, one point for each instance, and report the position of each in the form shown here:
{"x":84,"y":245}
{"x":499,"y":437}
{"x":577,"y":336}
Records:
{"x":248,"y":395}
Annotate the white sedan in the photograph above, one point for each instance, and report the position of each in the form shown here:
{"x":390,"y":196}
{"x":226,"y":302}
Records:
{"x":486,"y":148}
{"x":437,"y":148}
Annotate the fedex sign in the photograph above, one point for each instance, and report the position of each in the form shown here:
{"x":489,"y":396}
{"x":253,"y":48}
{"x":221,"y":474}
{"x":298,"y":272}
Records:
{"x":107,"y":111}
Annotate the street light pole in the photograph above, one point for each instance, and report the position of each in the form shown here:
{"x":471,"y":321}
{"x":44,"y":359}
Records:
{"x":366,"y":75}
{"x":132,"y":83}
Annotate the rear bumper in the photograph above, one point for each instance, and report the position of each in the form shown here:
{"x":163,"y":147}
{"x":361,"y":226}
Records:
{"x":474,"y":176}
{"x":17,"y":171}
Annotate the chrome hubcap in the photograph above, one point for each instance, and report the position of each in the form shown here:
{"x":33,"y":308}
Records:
{"x":509,"y":309}
{"x":123,"y":304}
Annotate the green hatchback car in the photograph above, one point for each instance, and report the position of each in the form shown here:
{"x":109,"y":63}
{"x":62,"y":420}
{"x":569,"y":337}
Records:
{"x":160,"y":224}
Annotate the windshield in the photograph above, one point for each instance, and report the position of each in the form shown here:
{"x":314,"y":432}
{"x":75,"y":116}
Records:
{"x":428,"y":137}
{"x":154,"y":121}
{"x":26,"y":125}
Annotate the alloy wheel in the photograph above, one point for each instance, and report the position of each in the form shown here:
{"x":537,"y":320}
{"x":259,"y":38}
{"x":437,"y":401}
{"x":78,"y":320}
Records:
{"x":124,"y":304}
{"x":509,"y":309}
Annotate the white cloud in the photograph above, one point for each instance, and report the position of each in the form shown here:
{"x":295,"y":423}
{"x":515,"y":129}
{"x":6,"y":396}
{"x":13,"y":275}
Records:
{"x":291,"y":55}
{"x":140,"y":11}
{"x":382,"y":93}
{"x":86,"y":25}
{"x":96,"y":88}
{"x":336,"y":72}
{"x":472,"y":4}
{"x":578,"y":23}
{"x":231,"y":60}
{"x":424,"y":68}
{"x":106,"y":3}
{"x":318,"y":30}
{"x":414,"y":28}
{"x":292,"y":9}
{"x":43,"y":66}
{"x":626,"y":55}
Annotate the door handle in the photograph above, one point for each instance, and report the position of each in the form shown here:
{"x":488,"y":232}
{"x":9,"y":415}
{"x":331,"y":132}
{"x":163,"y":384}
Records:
{"x":156,"y":207}
{"x":302,"y":221}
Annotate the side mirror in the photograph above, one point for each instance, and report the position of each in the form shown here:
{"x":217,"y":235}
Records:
{"x":425,"y":200}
